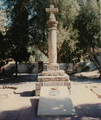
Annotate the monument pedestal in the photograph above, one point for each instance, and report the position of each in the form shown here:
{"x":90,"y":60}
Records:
{"x":52,"y":67}
{"x":38,"y":85}
{"x":55,"y":102}
{"x":53,"y":83}
{"x":53,"y":73}
{"x":52,"y":77}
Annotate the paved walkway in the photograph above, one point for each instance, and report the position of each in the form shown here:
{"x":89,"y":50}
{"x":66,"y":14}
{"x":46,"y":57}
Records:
{"x":20,"y":105}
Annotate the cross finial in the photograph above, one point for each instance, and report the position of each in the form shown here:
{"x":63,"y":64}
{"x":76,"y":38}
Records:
{"x":52,"y":10}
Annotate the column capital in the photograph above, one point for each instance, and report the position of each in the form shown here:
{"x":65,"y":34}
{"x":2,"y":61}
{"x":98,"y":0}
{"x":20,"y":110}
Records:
{"x":52,"y":24}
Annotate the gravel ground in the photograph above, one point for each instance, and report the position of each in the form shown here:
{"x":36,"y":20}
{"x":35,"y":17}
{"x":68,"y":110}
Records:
{"x":89,"y":80}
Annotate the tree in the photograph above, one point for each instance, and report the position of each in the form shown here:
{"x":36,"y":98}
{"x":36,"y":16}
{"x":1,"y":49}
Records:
{"x":36,"y":18}
{"x":31,"y":15}
{"x":18,"y":29}
{"x":88,"y":24}
{"x":38,"y":30}
{"x":66,"y":34}
{"x":67,"y":40}
{"x":1,"y":46}
{"x":21,"y":54}
{"x":37,"y":25}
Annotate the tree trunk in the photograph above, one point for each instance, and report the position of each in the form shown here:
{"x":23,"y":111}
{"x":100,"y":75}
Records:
{"x":46,"y":54}
{"x":16,"y":70}
{"x":96,"y":63}
{"x":96,"y":57}
{"x":16,"y":65}
{"x":0,"y":72}
{"x":69,"y":56}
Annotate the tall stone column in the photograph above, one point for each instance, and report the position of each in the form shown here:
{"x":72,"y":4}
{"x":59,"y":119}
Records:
{"x":52,"y":46}
{"x":52,"y":24}
{"x":52,"y":76}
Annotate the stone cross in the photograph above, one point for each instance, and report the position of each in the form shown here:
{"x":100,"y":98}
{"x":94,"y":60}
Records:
{"x":51,"y":10}
{"x":52,"y":39}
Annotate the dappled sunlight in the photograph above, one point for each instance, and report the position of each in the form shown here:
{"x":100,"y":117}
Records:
{"x":20,"y":112}
{"x":26,"y":107}
{"x":89,"y":110}
{"x":55,"y":104}
{"x":20,"y":105}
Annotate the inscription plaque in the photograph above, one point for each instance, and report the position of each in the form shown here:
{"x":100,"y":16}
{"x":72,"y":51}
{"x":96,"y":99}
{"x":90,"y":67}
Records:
{"x":54,"y":91}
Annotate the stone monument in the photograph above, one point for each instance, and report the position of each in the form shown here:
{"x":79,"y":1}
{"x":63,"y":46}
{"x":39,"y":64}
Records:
{"x":52,"y":76}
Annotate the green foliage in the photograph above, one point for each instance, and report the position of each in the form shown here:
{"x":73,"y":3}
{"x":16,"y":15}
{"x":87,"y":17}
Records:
{"x":66,"y":34}
{"x":67,"y":40}
{"x":37,"y":24}
{"x":4,"y":46}
{"x":19,"y":28}
{"x":1,"y":46}
{"x":20,"y":54}
{"x":17,"y":33}
{"x":68,"y":10}
{"x":88,"y":24}
{"x":36,"y":55}
{"x":78,"y":26}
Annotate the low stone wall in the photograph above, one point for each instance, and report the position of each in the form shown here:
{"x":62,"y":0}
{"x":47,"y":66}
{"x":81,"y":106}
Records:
{"x":99,"y":58}
{"x":29,"y":68}
{"x":9,"y":68}
{"x":33,"y":67}
{"x":22,"y":68}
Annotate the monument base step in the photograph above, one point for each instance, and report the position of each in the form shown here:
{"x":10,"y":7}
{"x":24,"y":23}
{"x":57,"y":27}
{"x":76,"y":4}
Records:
{"x":52,"y":67}
{"x":55,"y":102}
{"x":38,"y":85}
{"x":53,"y":73}
{"x":53,"y":78}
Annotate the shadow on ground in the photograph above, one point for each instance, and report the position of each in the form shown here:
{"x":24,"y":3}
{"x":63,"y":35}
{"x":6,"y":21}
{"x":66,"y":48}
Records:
{"x":20,"y":78}
{"x":76,"y":79}
{"x":26,"y":93}
{"x":84,"y":112}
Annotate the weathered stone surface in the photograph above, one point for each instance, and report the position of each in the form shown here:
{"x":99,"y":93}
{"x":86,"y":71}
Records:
{"x":37,"y":92}
{"x":52,"y":24}
{"x":68,"y":84}
{"x":52,"y":46}
{"x":51,"y":83}
{"x":53,"y":73}
{"x":52,"y":10}
{"x":53,"y":78}
{"x":54,"y":83}
{"x":58,"y":105}
{"x":38,"y":85}
{"x":52,"y":67}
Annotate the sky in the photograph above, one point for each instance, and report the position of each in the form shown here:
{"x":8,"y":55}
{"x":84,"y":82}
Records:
{"x":2,"y":16}
{"x":1,"y":5}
